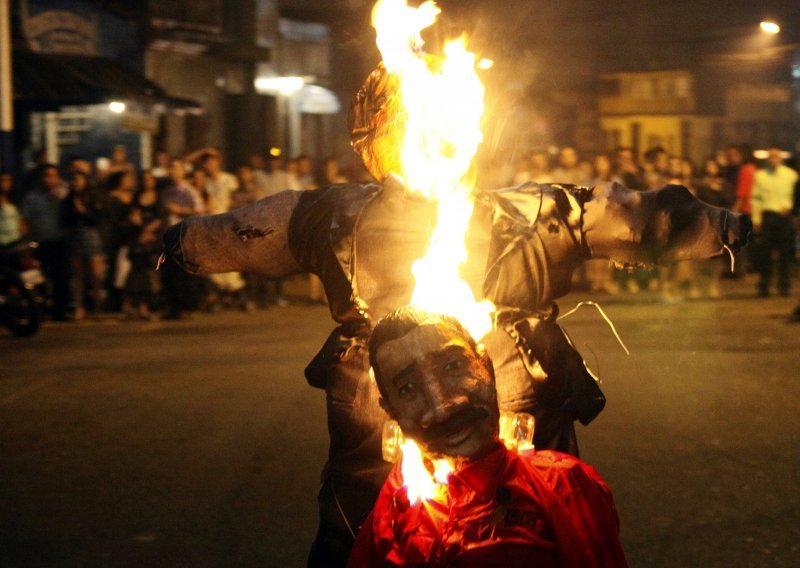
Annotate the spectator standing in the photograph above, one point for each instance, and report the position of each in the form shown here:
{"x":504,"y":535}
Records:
{"x":11,"y":223}
{"x":276,"y":179}
{"x":42,"y":210}
{"x":83,"y":216}
{"x":146,"y":222}
{"x":31,"y":179}
{"x":730,"y":162}
{"x":745,"y":174}
{"x":119,"y":162}
{"x":713,"y":188}
{"x":540,"y":167}
{"x":305,"y":172}
{"x":199,"y":181}
{"x":81,"y":165}
{"x":568,"y":170}
{"x":599,"y":272}
{"x":220,"y":186}
{"x":657,"y":167}
{"x":627,"y":169}
{"x":180,"y":200}
{"x":683,"y":274}
{"x":771,"y":205}
{"x":741,"y":172}
{"x":536,"y":168}
{"x":331,"y":174}
{"x":120,"y":187}
{"x":247,"y":191}
{"x":161,"y":171}
{"x":258,"y":165}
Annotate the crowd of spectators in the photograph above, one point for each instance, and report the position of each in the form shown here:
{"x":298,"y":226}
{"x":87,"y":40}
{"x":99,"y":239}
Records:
{"x":99,"y":226}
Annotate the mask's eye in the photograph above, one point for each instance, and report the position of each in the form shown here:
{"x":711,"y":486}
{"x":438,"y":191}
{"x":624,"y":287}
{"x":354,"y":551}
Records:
{"x":454,"y":366}
{"x":406,"y":390}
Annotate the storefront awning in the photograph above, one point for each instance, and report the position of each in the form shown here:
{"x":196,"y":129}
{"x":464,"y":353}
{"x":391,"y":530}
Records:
{"x":314,"y":99}
{"x":48,"y":81}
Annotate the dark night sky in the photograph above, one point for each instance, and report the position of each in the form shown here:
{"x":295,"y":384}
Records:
{"x":620,"y":34}
{"x":628,"y":33}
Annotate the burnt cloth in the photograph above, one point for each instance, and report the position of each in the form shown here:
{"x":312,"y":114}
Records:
{"x":546,"y":510}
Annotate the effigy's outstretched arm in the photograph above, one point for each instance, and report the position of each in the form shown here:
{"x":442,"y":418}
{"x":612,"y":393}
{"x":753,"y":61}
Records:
{"x":657,"y":227}
{"x":251,"y":239}
{"x":542,"y":232}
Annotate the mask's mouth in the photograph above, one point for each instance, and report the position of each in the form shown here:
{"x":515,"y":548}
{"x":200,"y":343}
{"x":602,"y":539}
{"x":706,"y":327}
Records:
{"x":456,"y":429}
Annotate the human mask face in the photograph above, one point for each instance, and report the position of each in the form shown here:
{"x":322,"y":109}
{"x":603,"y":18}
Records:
{"x":440,"y":391}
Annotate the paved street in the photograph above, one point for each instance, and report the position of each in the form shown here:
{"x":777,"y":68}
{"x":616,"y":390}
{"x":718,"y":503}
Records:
{"x":198,"y":443}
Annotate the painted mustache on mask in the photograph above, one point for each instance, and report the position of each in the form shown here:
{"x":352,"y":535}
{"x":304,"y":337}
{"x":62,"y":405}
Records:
{"x":454,"y":424}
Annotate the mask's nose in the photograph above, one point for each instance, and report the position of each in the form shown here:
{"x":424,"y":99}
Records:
{"x":440,"y":403}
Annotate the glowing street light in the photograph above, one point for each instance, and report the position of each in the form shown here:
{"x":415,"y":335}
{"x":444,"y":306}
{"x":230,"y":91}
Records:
{"x":286,"y":86}
{"x":117,"y":107}
{"x":770,"y":27}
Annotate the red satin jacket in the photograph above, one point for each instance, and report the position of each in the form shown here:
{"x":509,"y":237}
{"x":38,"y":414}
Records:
{"x":545,"y":509}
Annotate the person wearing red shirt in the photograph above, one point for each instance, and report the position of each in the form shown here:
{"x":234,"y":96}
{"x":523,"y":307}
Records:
{"x":497,"y":506}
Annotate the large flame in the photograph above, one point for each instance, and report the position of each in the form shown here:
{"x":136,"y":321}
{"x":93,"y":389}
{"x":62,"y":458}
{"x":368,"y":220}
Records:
{"x":442,"y":104}
{"x":441,"y":101}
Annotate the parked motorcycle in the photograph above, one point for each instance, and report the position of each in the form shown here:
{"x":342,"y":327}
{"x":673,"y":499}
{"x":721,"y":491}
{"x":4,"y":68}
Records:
{"x":21,"y":302}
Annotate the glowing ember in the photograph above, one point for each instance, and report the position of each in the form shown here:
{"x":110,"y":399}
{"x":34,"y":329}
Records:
{"x":442,"y":103}
{"x":419,"y":484}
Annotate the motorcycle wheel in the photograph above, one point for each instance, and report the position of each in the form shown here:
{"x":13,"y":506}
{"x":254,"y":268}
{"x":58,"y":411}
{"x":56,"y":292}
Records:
{"x":22,"y":313}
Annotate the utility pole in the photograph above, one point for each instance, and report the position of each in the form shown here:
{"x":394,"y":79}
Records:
{"x":6,"y":89}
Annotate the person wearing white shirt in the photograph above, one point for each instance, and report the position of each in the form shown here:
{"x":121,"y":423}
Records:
{"x":771,"y":211}
{"x":219,"y":185}
{"x":275,"y":179}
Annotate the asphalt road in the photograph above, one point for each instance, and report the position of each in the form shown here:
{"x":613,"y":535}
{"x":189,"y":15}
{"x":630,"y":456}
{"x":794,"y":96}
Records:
{"x":198,"y":443}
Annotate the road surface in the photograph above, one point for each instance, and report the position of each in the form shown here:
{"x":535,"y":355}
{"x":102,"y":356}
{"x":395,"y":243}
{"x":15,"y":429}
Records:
{"x":198,"y":443}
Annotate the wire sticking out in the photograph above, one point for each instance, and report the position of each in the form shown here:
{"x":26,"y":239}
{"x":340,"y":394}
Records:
{"x":605,"y":317}
{"x":596,"y":376}
{"x":733,"y":258}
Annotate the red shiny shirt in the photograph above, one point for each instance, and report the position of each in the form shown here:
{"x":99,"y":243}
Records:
{"x":545,"y":509}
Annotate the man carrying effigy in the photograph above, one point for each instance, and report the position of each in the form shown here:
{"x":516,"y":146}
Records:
{"x":523,"y":243}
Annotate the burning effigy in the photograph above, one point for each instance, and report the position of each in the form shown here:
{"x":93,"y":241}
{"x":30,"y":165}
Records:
{"x":423,"y":234}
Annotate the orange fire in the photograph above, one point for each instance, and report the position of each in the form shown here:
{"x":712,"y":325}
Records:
{"x":422,"y":485}
{"x":442,"y":103}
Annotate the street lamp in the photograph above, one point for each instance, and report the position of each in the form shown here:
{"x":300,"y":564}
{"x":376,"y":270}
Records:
{"x":770,"y":27}
{"x":117,"y":107}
